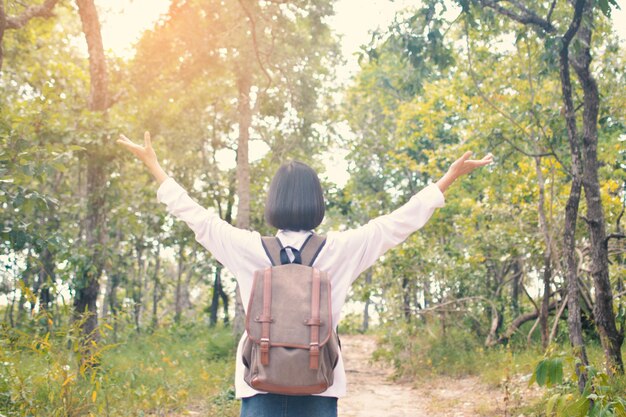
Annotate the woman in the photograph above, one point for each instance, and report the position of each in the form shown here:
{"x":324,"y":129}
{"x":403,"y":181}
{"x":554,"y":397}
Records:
{"x":295,"y":206}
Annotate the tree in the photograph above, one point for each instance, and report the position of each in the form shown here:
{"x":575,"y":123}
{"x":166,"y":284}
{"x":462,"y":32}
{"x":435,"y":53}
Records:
{"x":419,"y":98}
{"x":584,"y":168}
{"x":16,"y":22}
{"x":260,"y":67}
{"x":88,"y":283}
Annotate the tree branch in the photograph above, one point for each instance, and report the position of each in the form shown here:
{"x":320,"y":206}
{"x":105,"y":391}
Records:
{"x":8,"y":22}
{"x":529,"y":297}
{"x":255,"y":43}
{"x":549,"y":16}
{"x":43,"y":10}
{"x":515,"y":325}
{"x":615,"y":236}
{"x":555,"y":325}
{"x":525,"y":15}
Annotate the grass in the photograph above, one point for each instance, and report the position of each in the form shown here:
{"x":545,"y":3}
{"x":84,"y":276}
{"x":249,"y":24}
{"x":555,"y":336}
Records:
{"x":154,"y":374}
{"x":423,"y":353}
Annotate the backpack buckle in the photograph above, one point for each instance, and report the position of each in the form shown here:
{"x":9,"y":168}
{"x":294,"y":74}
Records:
{"x":263,"y":319}
{"x":314,"y":355}
{"x":265,"y":350}
{"x":313,"y":321}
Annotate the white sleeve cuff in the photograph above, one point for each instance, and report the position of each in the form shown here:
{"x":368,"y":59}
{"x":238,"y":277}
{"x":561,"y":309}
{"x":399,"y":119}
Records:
{"x":169,"y":191}
{"x":433,"y":194}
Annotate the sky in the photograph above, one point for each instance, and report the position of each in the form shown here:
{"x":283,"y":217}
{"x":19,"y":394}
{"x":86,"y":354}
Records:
{"x":123,"y":21}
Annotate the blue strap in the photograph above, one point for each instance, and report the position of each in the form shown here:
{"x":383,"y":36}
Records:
{"x":284,"y":258}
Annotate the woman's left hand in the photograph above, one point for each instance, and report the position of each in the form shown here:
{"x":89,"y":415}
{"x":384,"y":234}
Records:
{"x":462,"y":166}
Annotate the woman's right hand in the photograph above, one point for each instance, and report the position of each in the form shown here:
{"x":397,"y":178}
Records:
{"x":146,"y":154}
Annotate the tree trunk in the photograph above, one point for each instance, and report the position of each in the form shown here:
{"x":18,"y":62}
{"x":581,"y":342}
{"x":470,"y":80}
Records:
{"x":88,"y":286}
{"x":3,"y":25}
{"x":99,"y":79}
{"x":545,"y":302}
{"x":112,"y":301}
{"x":178,"y":310}
{"x":244,"y":110}
{"x":619,"y":258}
{"x":366,"y":309}
{"x":573,"y":201}
{"x":603,"y":309}
{"x":109,"y":304}
{"x":25,"y":283}
{"x":547,"y":255}
{"x":46,"y":278}
{"x":137,"y":285}
{"x":107,"y":296}
{"x":155,"y":290}
{"x":217,"y":288}
{"x":515,"y":286}
{"x":406,"y":300}
{"x":225,"y":303}
{"x":89,"y":281}
{"x":571,"y":209}
{"x":185,"y":293}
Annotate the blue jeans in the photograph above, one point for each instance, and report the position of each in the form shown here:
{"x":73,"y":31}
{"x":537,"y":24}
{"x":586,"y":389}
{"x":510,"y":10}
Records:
{"x":274,"y":405}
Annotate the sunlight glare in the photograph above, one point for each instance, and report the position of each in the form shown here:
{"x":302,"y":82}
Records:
{"x":123,"y":22}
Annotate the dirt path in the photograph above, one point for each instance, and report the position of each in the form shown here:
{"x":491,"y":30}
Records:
{"x":371,"y":393}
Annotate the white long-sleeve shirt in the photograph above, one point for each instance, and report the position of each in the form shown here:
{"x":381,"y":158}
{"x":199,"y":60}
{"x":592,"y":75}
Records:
{"x":345,"y":255}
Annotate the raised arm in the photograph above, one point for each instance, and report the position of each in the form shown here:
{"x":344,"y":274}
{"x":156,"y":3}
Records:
{"x":368,"y":242}
{"x":233,"y":247}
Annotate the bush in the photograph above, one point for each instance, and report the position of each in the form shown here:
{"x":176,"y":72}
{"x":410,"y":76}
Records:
{"x":42,"y":375}
{"x":603,"y":396}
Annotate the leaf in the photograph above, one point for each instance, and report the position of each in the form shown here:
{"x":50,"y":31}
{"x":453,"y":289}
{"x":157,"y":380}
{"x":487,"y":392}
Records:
{"x":620,"y":408}
{"x":607,"y":5}
{"x":18,"y":239}
{"x":18,"y":200}
{"x":69,"y":379}
{"x":578,"y":408}
{"x":551,"y":404}
{"x":555,"y":372}
{"x":541,"y":372}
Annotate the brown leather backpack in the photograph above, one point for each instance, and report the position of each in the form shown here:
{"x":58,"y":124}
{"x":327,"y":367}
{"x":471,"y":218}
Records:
{"x":291,"y":346}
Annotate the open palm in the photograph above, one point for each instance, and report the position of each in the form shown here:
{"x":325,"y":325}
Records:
{"x":145,"y":153}
{"x":464,"y":165}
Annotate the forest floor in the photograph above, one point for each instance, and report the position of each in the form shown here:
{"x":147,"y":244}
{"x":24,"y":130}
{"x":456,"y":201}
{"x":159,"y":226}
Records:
{"x":372,"y":392}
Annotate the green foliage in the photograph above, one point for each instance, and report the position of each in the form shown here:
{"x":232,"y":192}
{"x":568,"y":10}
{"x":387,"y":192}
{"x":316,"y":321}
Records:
{"x":428,"y":90}
{"x":419,"y":351}
{"x":143,"y":374}
{"x":499,"y":91}
{"x":607,"y":6}
{"x":49,"y":373}
{"x":549,"y":372}
{"x":602,"y":396}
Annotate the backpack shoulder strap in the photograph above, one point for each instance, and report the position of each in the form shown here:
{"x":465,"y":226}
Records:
{"x":311,"y":248}
{"x":272,"y":246}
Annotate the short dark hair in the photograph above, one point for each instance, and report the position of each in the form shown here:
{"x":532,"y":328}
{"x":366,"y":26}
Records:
{"x":295,"y":200}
